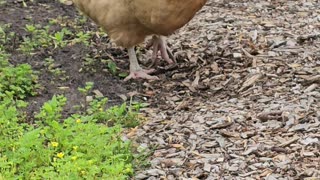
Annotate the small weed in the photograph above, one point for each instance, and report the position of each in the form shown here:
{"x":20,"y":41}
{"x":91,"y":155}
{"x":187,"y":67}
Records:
{"x":77,"y":147}
{"x":124,"y":115}
{"x":89,"y":64}
{"x":42,"y":37}
{"x":2,"y":2}
{"x":141,"y":160}
{"x":81,"y":20}
{"x":6,"y":37}
{"x":85,"y":91}
{"x":19,"y":81}
{"x":113,"y":69}
{"x":59,"y":38}
{"x":38,"y":37}
{"x":82,"y":37}
{"x":54,"y":69}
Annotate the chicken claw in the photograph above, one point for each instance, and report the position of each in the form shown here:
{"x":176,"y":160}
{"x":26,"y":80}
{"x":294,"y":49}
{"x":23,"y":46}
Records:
{"x":144,"y":74}
{"x":159,"y":44}
{"x":135,"y":70}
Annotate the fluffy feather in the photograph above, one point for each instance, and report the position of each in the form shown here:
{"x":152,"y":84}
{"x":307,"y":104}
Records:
{"x":129,"y":22}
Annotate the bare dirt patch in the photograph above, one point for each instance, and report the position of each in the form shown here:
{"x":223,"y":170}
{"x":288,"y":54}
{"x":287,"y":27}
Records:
{"x":69,"y":59}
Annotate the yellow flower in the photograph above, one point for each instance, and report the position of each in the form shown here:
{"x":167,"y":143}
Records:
{"x":54,"y":144}
{"x":78,"y":121}
{"x":75,"y":148}
{"x":60,"y":155}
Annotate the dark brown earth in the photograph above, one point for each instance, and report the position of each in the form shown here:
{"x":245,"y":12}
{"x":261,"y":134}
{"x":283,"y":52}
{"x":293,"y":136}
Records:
{"x":243,"y":102}
{"x":69,"y":59}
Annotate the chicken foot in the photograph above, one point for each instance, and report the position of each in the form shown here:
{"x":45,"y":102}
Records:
{"x":159,"y":44}
{"x":135,"y":70}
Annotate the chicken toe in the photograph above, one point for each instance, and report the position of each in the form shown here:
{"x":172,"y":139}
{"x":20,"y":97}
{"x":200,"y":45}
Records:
{"x":144,"y":74}
{"x":135,"y":70}
{"x":159,"y":44}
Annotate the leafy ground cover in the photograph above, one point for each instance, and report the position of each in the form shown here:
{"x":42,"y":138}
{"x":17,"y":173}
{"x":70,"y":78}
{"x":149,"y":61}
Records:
{"x":53,"y":126}
{"x":81,"y":145}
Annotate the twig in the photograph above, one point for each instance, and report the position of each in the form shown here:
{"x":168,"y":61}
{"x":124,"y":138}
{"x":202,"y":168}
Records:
{"x":289,"y":142}
{"x":265,"y":116}
{"x":224,"y":125}
{"x":301,"y":39}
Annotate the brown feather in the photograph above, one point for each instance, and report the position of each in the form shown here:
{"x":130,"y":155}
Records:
{"x":128,"y":22}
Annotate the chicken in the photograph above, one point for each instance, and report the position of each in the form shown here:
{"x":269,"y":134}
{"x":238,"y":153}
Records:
{"x":129,"y":22}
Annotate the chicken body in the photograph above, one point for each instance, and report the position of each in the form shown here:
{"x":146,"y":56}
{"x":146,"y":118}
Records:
{"x":129,"y":22}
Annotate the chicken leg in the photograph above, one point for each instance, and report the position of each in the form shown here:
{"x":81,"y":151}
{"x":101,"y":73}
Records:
{"x":135,"y":70}
{"x":159,"y":44}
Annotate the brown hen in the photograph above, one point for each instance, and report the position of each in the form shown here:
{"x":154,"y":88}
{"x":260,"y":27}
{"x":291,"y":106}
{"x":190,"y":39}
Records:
{"x":129,"y":22}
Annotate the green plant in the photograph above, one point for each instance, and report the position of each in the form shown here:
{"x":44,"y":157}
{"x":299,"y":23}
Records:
{"x":89,"y":64}
{"x":17,"y":81}
{"x":3,"y":33}
{"x":81,"y":20}
{"x":42,"y":37}
{"x":124,"y":115}
{"x":141,"y":158}
{"x":3,"y":58}
{"x":76,"y":148}
{"x":85,"y":90}
{"x":2,"y":2}
{"x":80,"y":146}
{"x":59,"y":38}
{"x":52,"y":68}
{"x":10,"y":125}
{"x":20,"y":81}
{"x":82,"y":37}
{"x":113,"y":69}
{"x":38,"y":37}
{"x":6,"y":37}
{"x":51,"y":144}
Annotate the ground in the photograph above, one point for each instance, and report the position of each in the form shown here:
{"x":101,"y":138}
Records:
{"x":242,"y":103}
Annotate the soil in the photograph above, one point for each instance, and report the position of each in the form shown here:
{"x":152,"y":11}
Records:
{"x":68,"y":59}
{"x":242,"y":102}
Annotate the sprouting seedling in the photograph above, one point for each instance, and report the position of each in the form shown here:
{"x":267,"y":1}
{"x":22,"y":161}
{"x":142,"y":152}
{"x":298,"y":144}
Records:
{"x":112,"y":67}
{"x":85,"y":92}
{"x":30,"y":28}
{"x":86,"y":89}
{"x":83,"y":37}
{"x":58,"y":39}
